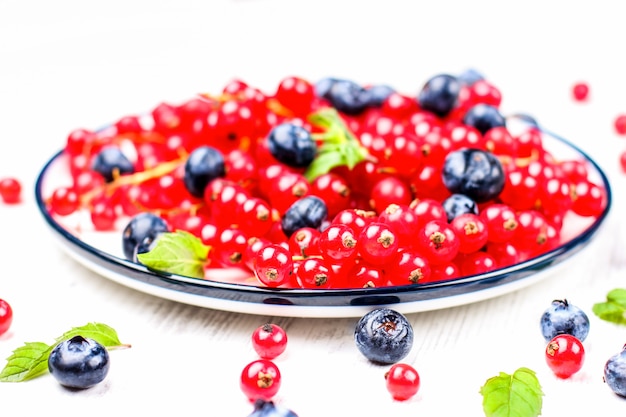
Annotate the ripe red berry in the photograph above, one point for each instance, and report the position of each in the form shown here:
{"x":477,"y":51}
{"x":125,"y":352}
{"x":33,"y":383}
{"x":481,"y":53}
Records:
{"x":260,"y":379}
{"x":269,"y":340}
{"x":402,"y":381}
{"x":580,"y":91}
{"x":565,"y":355}
{"x":10,"y":190}
{"x":273,"y":265}
{"x":620,"y":124}
{"x":6,"y":316}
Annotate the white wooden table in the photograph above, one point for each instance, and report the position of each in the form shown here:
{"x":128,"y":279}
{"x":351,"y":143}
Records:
{"x":68,"y":64}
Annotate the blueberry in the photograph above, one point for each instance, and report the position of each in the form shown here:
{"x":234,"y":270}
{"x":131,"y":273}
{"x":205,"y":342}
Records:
{"x":79,"y":362}
{"x":111,"y":162}
{"x":615,"y":372}
{"x":322,"y":87}
{"x":484,"y":117}
{"x":458,"y":204}
{"x":203,"y":165}
{"x":563,"y":317}
{"x":292,"y":145}
{"x":146,"y":245}
{"x":347,"y":97}
{"x":470,"y":76}
{"x":384,"y":336}
{"x":475,"y":173}
{"x":439,"y":95}
{"x":309,"y":211}
{"x":141,"y":230}
{"x":376,"y":95}
{"x":267,"y":408}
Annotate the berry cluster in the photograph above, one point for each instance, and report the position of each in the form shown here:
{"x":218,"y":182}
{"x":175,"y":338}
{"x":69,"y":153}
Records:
{"x":334,"y":184}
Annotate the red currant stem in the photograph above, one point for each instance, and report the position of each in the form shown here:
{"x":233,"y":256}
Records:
{"x":132,"y":179}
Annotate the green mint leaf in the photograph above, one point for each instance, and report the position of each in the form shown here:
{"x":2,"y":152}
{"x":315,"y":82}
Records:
{"x":517,"y":395}
{"x":178,"y":252}
{"x":323,"y":163}
{"x":339,"y":146}
{"x":613,"y":309}
{"x":31,"y":360}
{"x":26,"y":362}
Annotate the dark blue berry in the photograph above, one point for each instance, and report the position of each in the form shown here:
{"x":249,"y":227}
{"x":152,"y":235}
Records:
{"x":309,"y":211}
{"x":470,"y":76}
{"x":322,"y":87}
{"x":439,"y":95}
{"x":564,"y":318}
{"x":376,"y":95}
{"x":384,"y":336}
{"x":111,"y":162}
{"x":292,"y":145}
{"x":484,"y":117}
{"x":203,"y":165}
{"x":615,"y":372}
{"x":79,"y":362}
{"x":347,"y":97}
{"x":145,"y":246}
{"x":475,"y":173}
{"x":267,"y":408}
{"x":458,"y":204}
{"x":142,"y":229}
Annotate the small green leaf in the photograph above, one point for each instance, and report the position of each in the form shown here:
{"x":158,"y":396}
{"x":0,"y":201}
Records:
{"x":517,"y":395}
{"x":26,"y":362}
{"x":323,"y":163}
{"x":31,"y":360}
{"x":614,"y":308}
{"x":178,"y":252}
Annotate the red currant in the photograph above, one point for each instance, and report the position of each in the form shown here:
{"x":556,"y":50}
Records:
{"x":377,"y":243}
{"x":10,"y":190}
{"x":269,"y":340}
{"x":580,"y":91}
{"x":64,"y":201}
{"x":402,"y":381}
{"x":314,"y":273}
{"x":565,"y":355}
{"x":260,"y":379}
{"x":6,"y":316}
{"x":273,"y":265}
{"x":620,"y":124}
{"x":438,"y":241}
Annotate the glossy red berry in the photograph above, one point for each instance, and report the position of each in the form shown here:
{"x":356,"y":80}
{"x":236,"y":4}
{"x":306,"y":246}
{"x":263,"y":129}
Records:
{"x":580,"y":91}
{"x":565,"y":355}
{"x":269,"y":340}
{"x":377,"y":243}
{"x":273,"y":265}
{"x":402,"y":381}
{"x":438,"y":242}
{"x":260,"y":379}
{"x":10,"y":190}
{"x":6,"y":316}
{"x":620,"y":124}
{"x":314,"y":273}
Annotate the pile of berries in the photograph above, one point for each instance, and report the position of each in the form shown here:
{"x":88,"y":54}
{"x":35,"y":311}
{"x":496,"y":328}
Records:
{"x":334,"y":184}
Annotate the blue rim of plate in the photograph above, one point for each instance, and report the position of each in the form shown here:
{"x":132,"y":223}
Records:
{"x":298,"y":302}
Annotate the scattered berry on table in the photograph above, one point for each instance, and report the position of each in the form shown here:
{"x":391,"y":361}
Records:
{"x":266,"y":408}
{"x":620,"y":124}
{"x":384,"y":336}
{"x":79,"y":362}
{"x":562,"y":317}
{"x":615,"y":372}
{"x":10,"y":190}
{"x":402,"y":381}
{"x":565,"y":355}
{"x":580,"y":91}
{"x":269,"y":340}
{"x":6,"y":316}
{"x":260,"y":379}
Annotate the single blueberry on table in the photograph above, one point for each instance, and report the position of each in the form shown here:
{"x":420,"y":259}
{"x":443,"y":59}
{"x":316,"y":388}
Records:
{"x":484,"y":117}
{"x":458,"y":204}
{"x":111,"y":162}
{"x":384,"y":336}
{"x":475,"y":173}
{"x":292,"y":145}
{"x":203,"y":165}
{"x":564,"y":318}
{"x":140,"y":232}
{"x":615,"y":372}
{"x":79,"y":362}
{"x":440,"y":94}
{"x":267,"y":408}
{"x":309,"y":211}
